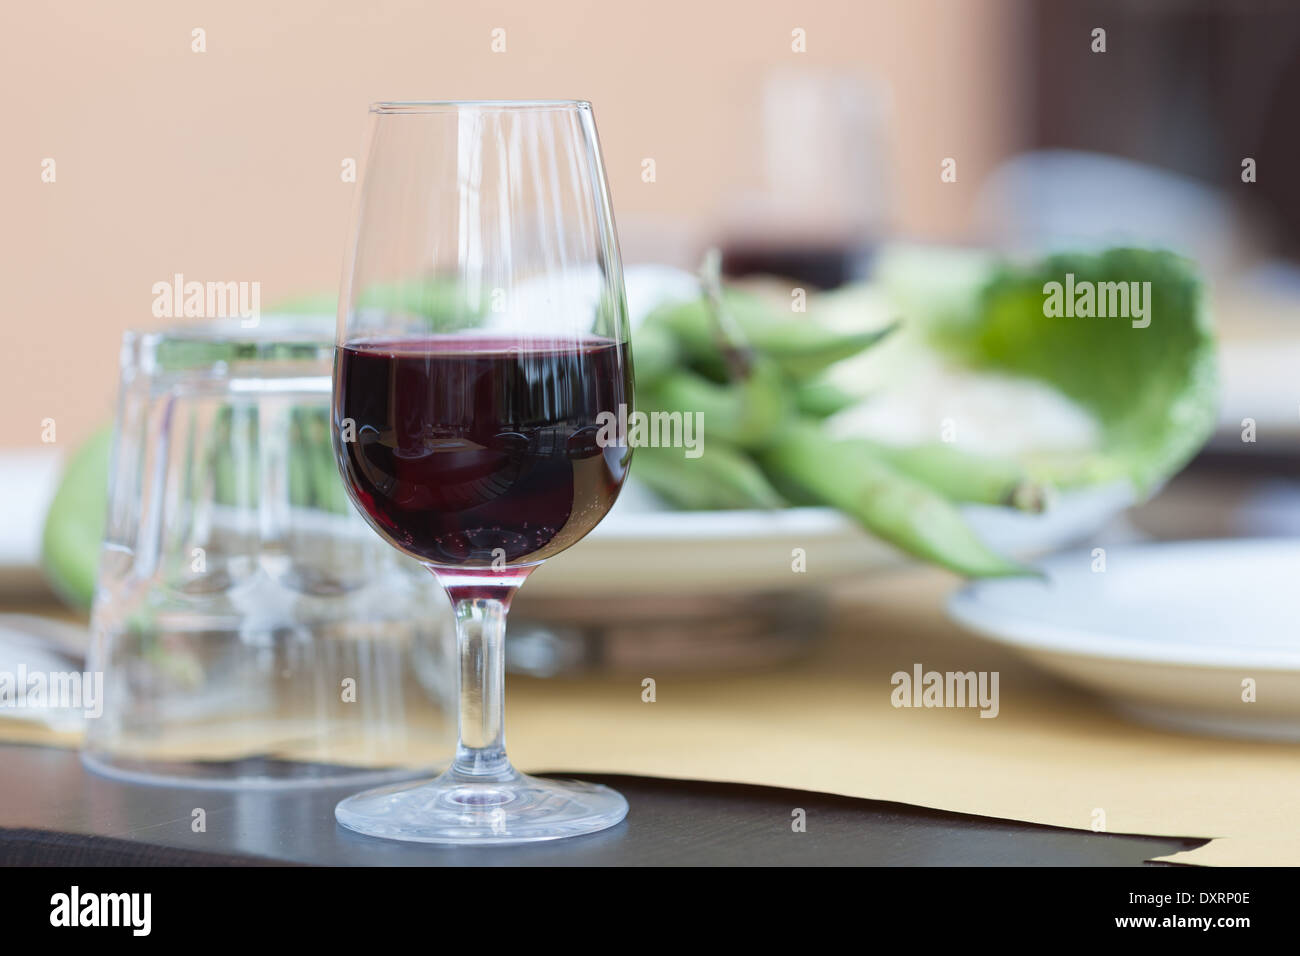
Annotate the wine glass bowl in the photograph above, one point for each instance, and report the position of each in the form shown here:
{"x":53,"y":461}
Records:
{"x":482,"y":350}
{"x":477,"y":452}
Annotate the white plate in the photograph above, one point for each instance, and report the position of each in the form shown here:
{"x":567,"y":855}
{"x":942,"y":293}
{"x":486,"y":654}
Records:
{"x":641,"y":548}
{"x":1168,"y":632}
{"x":28,"y":479}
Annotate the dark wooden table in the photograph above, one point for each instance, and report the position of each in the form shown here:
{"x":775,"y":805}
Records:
{"x":52,"y":811}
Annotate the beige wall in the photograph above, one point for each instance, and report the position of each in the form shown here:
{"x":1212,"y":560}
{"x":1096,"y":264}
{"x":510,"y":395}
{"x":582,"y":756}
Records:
{"x":225,"y":165}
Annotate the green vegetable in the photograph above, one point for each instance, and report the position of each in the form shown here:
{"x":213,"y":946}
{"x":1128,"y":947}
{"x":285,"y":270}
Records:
{"x":444,"y":300}
{"x":1152,"y":389}
{"x":799,"y":346}
{"x":325,"y":303}
{"x":894,"y":507}
{"x":961,"y":476}
{"x":747,"y":413}
{"x":74,"y":526}
{"x":314,"y":475}
{"x":721,"y":478}
{"x":229,"y":456}
{"x":821,"y":399}
{"x":654,"y":353}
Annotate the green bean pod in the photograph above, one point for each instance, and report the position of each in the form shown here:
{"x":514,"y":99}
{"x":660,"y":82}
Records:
{"x":799,"y":346}
{"x":961,"y":476}
{"x":654,"y":353}
{"x":820,"y":398}
{"x":894,"y":507}
{"x":747,"y":413}
{"x":721,"y":478}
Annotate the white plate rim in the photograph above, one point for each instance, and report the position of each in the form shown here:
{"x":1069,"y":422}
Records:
{"x":966,"y":609}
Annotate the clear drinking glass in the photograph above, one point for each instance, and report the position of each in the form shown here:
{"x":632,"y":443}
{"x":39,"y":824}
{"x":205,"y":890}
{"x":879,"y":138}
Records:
{"x":482,"y":359}
{"x":250,"y":629}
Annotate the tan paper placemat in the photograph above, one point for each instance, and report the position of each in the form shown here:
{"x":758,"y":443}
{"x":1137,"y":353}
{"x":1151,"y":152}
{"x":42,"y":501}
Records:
{"x":1053,"y":755}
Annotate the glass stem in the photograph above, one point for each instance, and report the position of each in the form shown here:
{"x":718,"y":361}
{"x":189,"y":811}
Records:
{"x":480,"y":636}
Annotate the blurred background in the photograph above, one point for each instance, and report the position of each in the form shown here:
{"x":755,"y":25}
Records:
{"x":227,"y":163}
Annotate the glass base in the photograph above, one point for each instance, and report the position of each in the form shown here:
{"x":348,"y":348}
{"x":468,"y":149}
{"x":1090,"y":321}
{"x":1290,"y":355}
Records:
{"x":457,"y":808}
{"x":244,"y":773}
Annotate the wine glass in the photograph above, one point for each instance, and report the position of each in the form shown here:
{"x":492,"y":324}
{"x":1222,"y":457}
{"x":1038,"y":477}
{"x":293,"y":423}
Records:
{"x":481,"y":361}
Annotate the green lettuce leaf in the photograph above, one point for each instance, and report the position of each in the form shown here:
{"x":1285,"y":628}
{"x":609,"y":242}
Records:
{"x":1152,"y":390}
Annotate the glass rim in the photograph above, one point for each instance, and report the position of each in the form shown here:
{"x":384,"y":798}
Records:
{"x":488,"y":106}
{"x":283,"y":328}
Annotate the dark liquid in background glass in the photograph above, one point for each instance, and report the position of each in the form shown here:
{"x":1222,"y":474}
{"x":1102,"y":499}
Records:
{"x":471,"y":448}
{"x":826,"y":266}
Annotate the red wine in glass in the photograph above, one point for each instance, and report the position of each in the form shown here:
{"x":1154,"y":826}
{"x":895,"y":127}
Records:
{"x":473,"y":451}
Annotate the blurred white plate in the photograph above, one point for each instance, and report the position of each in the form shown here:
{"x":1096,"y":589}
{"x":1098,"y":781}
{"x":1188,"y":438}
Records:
{"x":28,"y":479}
{"x":1167,"y":633}
{"x":641,"y":548}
